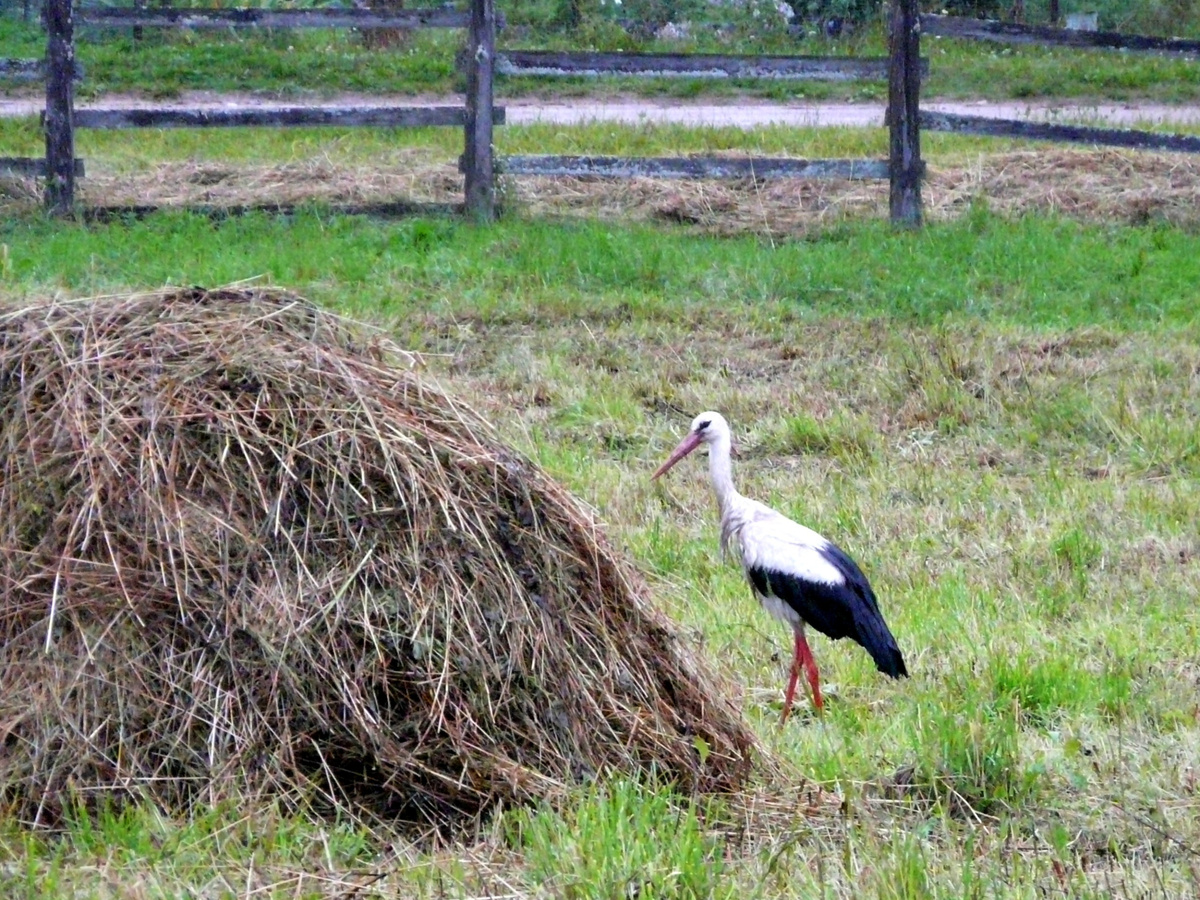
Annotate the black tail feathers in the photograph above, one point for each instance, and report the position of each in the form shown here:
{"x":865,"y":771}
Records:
{"x":878,"y":641}
{"x":891,"y":662}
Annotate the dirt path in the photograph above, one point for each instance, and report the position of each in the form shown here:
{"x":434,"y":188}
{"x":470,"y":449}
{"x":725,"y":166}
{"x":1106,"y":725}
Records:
{"x":740,"y":113}
{"x":754,"y":114}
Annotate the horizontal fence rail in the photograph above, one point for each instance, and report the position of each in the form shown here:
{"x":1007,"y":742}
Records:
{"x":12,"y":69}
{"x":285,"y":117}
{"x":691,"y":65}
{"x":1011,"y":33}
{"x":692,"y":167}
{"x":22,"y":69}
{"x":417,"y":17}
{"x":31,"y":167}
{"x":1045,"y":131}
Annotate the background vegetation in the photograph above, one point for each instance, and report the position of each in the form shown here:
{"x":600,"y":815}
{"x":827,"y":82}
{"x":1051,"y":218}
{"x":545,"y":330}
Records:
{"x":297,"y":62}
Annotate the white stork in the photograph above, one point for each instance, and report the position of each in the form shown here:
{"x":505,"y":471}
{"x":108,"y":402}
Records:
{"x":799,"y":577}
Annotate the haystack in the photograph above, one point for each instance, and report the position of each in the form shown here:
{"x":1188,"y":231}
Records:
{"x":248,"y":551}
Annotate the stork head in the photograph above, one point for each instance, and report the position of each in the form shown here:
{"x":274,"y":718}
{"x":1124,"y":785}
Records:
{"x":707,"y":428}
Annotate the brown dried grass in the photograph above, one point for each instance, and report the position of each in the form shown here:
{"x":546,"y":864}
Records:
{"x":1088,"y":185}
{"x":248,"y":551}
{"x":413,"y":177}
{"x":1091,"y":185}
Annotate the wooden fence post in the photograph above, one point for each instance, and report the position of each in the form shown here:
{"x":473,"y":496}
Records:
{"x":477,"y":154}
{"x":904,"y":109}
{"x":60,"y":103}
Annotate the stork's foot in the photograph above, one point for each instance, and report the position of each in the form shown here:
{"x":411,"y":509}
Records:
{"x":806,"y":711}
{"x":803,"y":712}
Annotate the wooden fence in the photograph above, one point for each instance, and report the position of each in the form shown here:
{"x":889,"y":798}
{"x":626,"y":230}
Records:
{"x":976,"y":29}
{"x":479,"y":115}
{"x":60,"y":167}
{"x":903,"y":68}
{"x":480,"y":62}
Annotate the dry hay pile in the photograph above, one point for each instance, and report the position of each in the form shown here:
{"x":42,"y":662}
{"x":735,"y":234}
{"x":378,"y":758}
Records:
{"x":247,"y":552}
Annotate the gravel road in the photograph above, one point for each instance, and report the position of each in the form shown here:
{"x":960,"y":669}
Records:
{"x":739,"y":113}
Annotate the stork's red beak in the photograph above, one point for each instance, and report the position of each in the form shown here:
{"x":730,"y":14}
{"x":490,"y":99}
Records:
{"x":686,"y":446}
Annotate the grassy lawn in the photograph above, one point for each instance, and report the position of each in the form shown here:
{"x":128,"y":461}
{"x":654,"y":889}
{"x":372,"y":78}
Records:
{"x":996,"y":416}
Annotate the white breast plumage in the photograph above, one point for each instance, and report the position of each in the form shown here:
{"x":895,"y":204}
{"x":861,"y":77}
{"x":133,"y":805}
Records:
{"x":781,"y":611}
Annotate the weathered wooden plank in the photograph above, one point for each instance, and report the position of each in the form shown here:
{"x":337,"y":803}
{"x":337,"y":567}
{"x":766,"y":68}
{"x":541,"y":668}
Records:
{"x":58,"y":20}
{"x":22,"y":69}
{"x":691,"y":65}
{"x":903,"y":115}
{"x":286,"y":116}
{"x":31,"y":166}
{"x":693,"y":167}
{"x":1045,"y":131}
{"x":417,"y":17}
{"x":29,"y":70}
{"x":1011,"y":33}
{"x":478,"y":164}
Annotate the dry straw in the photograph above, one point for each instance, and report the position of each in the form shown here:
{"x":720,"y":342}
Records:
{"x":247,"y":552}
{"x":1090,"y":185}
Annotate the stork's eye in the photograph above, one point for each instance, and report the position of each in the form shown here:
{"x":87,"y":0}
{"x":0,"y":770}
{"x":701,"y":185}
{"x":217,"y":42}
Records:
{"x":701,"y":426}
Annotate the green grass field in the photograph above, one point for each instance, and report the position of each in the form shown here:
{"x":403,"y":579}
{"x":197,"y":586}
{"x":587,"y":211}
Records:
{"x":996,"y":417}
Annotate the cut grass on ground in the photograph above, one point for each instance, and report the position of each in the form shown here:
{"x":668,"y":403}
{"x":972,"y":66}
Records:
{"x":233,"y":167}
{"x":996,"y":417}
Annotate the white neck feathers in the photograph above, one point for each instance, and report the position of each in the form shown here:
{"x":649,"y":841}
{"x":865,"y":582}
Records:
{"x":720,"y":470}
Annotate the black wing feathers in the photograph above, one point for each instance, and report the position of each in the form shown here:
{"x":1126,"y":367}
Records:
{"x":758,"y":579}
{"x":856,"y":581}
{"x":837,"y":610}
{"x":822,"y":606}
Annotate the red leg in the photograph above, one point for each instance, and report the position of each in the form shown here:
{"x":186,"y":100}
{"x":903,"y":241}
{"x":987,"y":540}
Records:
{"x":791,"y":688}
{"x":814,"y":677}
